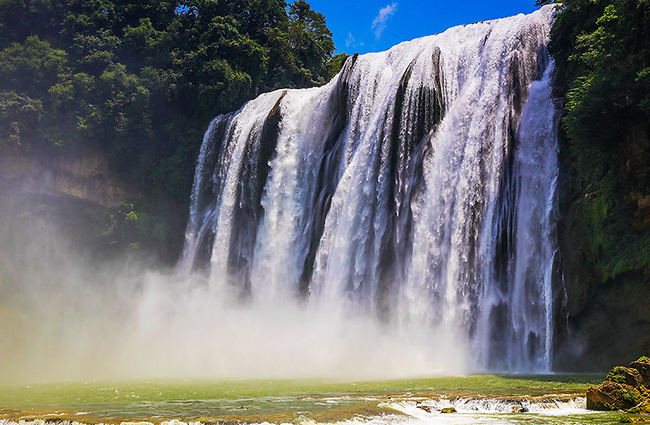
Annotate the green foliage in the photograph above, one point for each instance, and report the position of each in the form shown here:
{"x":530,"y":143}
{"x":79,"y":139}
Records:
{"x":602,"y":52}
{"x":609,"y":89}
{"x":129,"y":228}
{"x":31,"y":67}
{"x":630,"y":397}
{"x":615,"y":246}
{"x":626,"y":398}
{"x":141,"y":81}
{"x":617,"y":375}
{"x":18,"y":115}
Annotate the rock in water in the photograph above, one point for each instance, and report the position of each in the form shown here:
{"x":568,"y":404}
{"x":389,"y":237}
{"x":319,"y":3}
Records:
{"x":625,"y":375}
{"x":612,"y":396}
{"x":424,"y":407}
{"x":625,"y":388}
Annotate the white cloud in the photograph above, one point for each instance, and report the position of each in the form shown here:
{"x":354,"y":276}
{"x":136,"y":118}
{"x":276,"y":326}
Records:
{"x":350,"y":41}
{"x":379,"y":24}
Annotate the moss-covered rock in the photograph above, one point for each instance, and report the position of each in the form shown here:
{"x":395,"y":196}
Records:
{"x":624,"y":389}
{"x":643,"y":367}
{"x":624,"y":375}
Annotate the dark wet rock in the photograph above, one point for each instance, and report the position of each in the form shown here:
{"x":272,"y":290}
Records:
{"x":424,"y":407}
{"x":602,"y":314}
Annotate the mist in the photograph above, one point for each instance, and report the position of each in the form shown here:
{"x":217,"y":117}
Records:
{"x":66,"y":316}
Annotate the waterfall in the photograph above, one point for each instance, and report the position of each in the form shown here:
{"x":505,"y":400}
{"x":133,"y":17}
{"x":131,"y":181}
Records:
{"x":417,"y":188}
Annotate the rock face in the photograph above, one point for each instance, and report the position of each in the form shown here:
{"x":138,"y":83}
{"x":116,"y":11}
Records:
{"x":625,"y":388}
{"x":602,"y":285}
{"x":604,"y":322}
{"x":86,"y":177}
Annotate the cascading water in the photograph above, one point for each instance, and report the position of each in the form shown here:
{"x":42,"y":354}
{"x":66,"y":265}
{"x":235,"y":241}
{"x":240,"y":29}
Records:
{"x":417,"y":187}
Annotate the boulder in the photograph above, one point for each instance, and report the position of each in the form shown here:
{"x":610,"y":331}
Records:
{"x":643,"y":367}
{"x":424,"y":407}
{"x":625,"y":375}
{"x":611,"y":396}
{"x":625,"y":388}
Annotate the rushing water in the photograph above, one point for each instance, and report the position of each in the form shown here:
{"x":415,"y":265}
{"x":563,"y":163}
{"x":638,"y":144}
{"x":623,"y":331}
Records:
{"x":416,"y":188}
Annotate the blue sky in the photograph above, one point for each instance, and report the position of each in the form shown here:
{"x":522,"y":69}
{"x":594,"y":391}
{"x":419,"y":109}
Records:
{"x":374,"y":25}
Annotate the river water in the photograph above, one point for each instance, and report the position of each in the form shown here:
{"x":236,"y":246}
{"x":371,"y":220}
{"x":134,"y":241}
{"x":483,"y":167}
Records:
{"x":478,"y":399}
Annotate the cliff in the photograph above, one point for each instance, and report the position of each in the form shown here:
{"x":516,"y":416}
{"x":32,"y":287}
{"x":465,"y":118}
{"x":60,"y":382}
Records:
{"x":78,"y":198}
{"x":604,"y":238}
{"x":602,"y":53}
{"x":86,"y":177}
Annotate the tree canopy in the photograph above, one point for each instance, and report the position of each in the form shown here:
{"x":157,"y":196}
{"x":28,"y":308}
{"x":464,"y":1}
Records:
{"x":140,"y":80}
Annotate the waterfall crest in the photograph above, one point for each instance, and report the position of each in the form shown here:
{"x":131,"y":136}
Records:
{"x":417,"y":187}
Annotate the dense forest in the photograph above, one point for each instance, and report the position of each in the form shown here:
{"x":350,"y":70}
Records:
{"x":140,"y":81}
